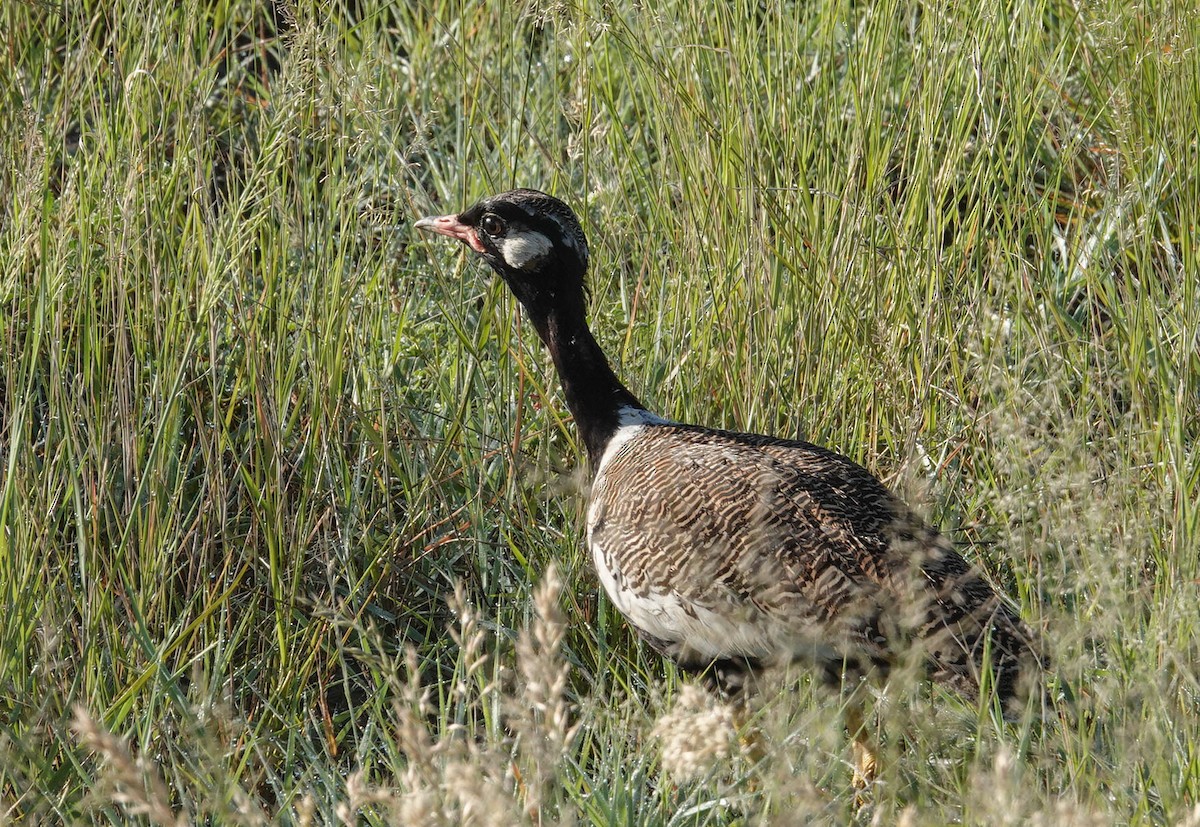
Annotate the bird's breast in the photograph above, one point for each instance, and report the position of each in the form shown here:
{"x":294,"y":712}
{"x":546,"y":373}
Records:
{"x":646,"y":560}
{"x":665,"y":614}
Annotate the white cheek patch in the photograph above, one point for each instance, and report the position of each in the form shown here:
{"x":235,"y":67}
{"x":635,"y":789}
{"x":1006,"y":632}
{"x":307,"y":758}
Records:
{"x":522,"y":249}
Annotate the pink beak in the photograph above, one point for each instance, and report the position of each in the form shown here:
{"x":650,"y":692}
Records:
{"x":449,"y":225}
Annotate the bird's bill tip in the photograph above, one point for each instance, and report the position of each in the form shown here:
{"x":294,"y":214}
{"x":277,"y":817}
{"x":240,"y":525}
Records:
{"x":437,"y":223}
{"x":452,"y":227}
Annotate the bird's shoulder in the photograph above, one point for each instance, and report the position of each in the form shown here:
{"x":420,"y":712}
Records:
{"x":689,"y":466}
{"x":667,"y":492}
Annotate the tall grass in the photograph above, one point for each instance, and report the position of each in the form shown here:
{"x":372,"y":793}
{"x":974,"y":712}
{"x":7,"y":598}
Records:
{"x":253,"y":433}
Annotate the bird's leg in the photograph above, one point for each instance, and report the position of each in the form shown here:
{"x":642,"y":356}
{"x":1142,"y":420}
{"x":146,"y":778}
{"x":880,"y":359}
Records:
{"x":866,"y":755}
{"x":748,"y":732}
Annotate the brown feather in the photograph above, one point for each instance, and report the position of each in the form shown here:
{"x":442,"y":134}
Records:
{"x":805,"y":550}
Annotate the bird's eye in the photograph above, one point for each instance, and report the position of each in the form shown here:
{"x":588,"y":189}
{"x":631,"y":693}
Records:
{"x":492,"y":225}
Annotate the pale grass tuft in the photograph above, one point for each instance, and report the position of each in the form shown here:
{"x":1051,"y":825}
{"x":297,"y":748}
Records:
{"x":1067,"y":813}
{"x":1191,"y":819}
{"x":999,"y":788}
{"x":419,"y":806}
{"x":547,"y":11}
{"x":306,"y":809}
{"x":541,"y":713}
{"x":243,"y":810}
{"x":420,"y":779}
{"x":482,"y":800}
{"x":453,"y":775}
{"x":543,"y":668}
{"x":134,"y":783}
{"x":696,"y":736}
{"x":1002,"y":799}
{"x":362,"y":796}
{"x":469,"y":637}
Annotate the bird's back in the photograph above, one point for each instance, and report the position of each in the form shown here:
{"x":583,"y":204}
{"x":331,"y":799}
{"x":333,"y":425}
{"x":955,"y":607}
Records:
{"x":721,"y":545}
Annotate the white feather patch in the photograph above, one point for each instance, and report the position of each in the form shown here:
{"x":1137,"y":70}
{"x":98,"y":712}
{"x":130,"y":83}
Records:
{"x":522,"y":249}
{"x":629,"y":424}
{"x":668,"y":617}
{"x":664,"y":614}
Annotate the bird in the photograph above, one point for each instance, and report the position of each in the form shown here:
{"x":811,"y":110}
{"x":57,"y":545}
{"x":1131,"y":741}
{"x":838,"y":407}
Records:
{"x":730,"y":553}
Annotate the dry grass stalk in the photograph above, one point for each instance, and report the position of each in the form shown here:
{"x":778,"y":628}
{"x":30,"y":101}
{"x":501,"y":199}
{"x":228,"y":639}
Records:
{"x":541,"y":715}
{"x":135,"y":783}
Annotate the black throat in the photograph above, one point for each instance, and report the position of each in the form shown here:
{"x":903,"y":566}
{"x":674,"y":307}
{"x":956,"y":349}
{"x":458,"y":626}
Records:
{"x":594,"y":394}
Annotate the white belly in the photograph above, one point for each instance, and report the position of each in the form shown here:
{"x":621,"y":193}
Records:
{"x":662,"y":613}
{"x":669,"y":617}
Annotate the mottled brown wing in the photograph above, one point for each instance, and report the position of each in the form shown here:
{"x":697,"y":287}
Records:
{"x":935,"y":600}
{"x":740,"y":535}
{"x":791,"y":551}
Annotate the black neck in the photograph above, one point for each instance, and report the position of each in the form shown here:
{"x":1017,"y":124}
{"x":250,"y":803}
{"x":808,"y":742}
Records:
{"x":593,"y":392}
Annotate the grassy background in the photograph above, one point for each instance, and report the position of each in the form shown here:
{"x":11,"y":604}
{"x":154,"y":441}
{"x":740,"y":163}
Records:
{"x":252,"y":431}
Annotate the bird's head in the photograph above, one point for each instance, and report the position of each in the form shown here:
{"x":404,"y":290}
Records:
{"x":532,"y":240}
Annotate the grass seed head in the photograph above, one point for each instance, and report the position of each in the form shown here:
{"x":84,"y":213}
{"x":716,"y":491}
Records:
{"x":697,"y":736}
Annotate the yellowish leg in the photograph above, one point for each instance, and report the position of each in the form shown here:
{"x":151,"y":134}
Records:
{"x":748,"y":733}
{"x":866,"y":759}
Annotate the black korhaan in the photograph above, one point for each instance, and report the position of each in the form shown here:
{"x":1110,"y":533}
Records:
{"x":729,"y":552}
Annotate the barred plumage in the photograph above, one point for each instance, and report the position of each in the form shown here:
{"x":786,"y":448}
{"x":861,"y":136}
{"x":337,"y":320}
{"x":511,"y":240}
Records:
{"x":769,"y":550}
{"x":727,"y":551}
